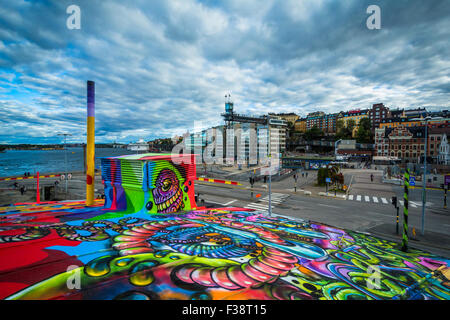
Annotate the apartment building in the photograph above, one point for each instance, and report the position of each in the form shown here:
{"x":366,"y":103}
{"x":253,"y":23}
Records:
{"x":378,"y":114}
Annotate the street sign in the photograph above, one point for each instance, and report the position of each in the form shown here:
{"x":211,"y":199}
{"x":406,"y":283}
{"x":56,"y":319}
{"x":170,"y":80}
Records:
{"x":328,"y":180}
{"x":447,"y":179}
{"x":412,"y":181}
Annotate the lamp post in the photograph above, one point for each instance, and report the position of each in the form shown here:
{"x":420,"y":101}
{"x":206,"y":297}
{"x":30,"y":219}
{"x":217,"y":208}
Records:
{"x":270,"y":187}
{"x":424,"y":182}
{"x":65,"y":154}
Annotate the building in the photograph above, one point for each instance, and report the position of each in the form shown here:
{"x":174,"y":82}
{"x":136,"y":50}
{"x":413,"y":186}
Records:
{"x":352,"y":150}
{"x":437,"y":141}
{"x":300,"y":125}
{"x":277,"y":135}
{"x":399,"y":121}
{"x":378,"y":114}
{"x":444,"y":151}
{"x":408,"y":142}
{"x":355,"y":115}
{"x":322,"y":121}
{"x":140,"y":146}
{"x":441,"y":113}
{"x":405,"y":143}
{"x":415,"y":113}
{"x":314,"y":119}
{"x":288,"y":117}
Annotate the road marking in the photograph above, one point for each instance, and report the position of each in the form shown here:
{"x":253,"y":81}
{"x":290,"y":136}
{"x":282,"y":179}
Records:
{"x":222,"y":204}
{"x":257,"y":206}
{"x":400,"y":202}
{"x":384,"y":200}
{"x":326,"y":205}
{"x":375,"y":199}
{"x":367,"y":198}
{"x":350,"y":197}
{"x":358,"y":198}
{"x":209,"y":201}
{"x":383,"y":214}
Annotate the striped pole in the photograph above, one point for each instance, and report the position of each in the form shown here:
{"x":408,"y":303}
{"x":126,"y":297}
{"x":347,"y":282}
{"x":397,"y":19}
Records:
{"x":405,"y":213}
{"x":38,"y":194}
{"x":30,"y":177}
{"x":219,"y":181}
{"x":90,"y":154}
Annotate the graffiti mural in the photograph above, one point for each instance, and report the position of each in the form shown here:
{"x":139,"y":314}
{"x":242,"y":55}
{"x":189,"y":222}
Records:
{"x":201,"y":254}
{"x":148,"y":240}
{"x":150,"y":183}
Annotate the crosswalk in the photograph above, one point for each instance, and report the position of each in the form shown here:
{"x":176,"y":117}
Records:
{"x":263,"y":204}
{"x":381,"y":200}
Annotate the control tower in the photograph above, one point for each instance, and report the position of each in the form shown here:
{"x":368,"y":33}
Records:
{"x":231,"y":117}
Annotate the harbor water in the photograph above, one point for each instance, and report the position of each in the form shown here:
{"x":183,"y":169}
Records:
{"x":17,"y":162}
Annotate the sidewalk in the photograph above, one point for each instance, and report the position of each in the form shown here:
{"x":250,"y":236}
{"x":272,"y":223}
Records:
{"x":433,"y":242}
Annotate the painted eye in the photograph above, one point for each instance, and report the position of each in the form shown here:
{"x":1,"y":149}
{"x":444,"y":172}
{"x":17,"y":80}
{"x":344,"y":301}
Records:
{"x":166,"y":185}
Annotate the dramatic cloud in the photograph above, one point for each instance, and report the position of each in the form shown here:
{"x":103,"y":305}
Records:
{"x":160,"y":65}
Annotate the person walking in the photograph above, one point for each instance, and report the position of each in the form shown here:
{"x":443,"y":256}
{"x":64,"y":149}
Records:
{"x":371,"y":177}
{"x":22,"y":190}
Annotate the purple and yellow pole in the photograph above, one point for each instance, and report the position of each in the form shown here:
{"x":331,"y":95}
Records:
{"x":90,"y":148}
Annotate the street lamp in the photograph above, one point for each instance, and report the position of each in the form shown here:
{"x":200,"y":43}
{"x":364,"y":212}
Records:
{"x":335,"y":147}
{"x":65,"y":154}
{"x":424,"y":182}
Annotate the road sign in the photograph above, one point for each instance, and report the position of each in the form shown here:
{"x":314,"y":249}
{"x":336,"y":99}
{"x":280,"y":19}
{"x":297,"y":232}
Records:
{"x":328,"y":180}
{"x":412,"y":181}
{"x":447,"y":179}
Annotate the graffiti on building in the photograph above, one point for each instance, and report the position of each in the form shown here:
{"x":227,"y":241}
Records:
{"x":149,"y":183}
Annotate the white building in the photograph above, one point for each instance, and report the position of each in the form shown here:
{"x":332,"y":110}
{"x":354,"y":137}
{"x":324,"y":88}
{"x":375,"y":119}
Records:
{"x":140,"y":146}
{"x":444,"y":151}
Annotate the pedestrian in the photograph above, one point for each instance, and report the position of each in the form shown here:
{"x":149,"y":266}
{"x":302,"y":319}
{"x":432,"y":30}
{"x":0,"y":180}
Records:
{"x":371,"y":177}
{"x":265,"y":179}
{"x":22,"y":190}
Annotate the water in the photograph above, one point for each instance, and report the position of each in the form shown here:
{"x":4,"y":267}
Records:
{"x":17,"y":162}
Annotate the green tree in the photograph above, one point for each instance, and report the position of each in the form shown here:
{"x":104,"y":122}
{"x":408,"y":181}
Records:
{"x":313,"y":134}
{"x":364,"y":133}
{"x":351,"y":124}
{"x":344,"y":131}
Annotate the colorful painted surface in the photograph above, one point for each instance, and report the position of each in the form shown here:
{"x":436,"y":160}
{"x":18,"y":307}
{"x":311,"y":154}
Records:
{"x":151,"y":183}
{"x":68,"y":251}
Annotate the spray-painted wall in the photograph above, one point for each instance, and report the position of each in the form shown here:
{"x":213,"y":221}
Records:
{"x":155,"y":183}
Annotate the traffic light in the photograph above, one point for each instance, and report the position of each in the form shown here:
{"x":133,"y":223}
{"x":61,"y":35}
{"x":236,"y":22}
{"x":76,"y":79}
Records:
{"x":394,"y":201}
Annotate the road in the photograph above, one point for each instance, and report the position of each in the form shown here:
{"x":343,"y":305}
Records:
{"x":363,"y":215}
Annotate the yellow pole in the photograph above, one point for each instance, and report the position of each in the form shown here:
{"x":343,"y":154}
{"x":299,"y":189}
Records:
{"x":90,"y":148}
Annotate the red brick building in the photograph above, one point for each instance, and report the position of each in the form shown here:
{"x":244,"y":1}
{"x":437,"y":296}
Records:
{"x":408,"y":143}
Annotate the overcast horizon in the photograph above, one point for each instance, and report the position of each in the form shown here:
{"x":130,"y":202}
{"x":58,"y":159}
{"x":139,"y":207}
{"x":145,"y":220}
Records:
{"x":160,"y":65}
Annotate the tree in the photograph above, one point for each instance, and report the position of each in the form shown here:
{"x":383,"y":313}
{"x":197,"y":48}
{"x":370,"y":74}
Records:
{"x":344,"y":131}
{"x":351,"y":124}
{"x":364,"y":133}
{"x":313,"y":133}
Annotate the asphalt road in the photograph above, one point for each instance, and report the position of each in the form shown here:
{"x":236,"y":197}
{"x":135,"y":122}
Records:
{"x":363,"y":216}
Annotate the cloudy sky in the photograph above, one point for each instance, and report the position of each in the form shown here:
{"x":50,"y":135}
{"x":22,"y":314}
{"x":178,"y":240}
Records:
{"x":160,"y":65}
